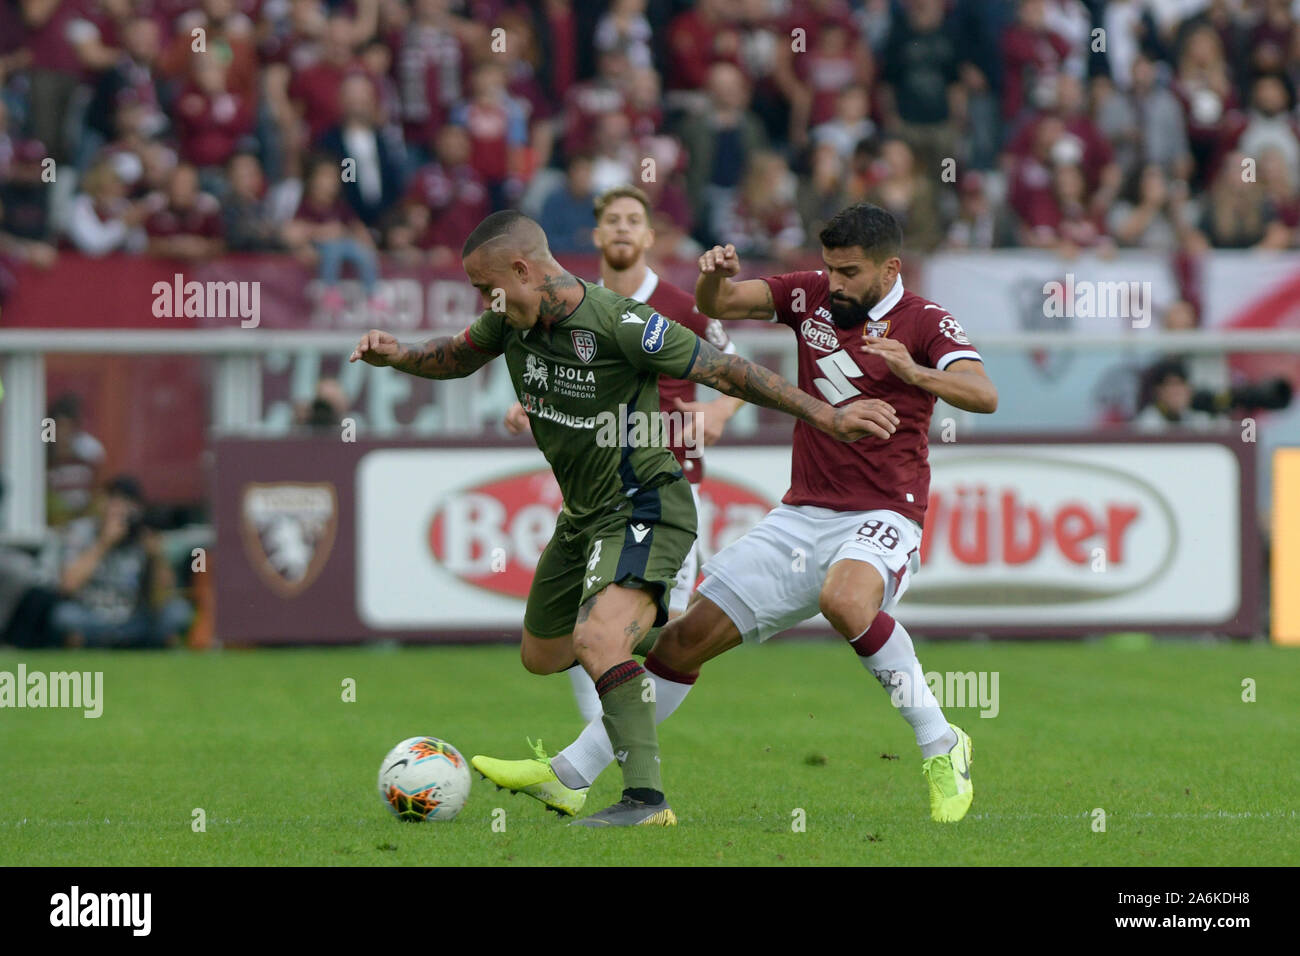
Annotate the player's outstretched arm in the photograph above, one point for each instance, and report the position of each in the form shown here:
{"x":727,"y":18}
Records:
{"x":718,"y":296}
{"x":448,"y":356}
{"x":733,"y":375}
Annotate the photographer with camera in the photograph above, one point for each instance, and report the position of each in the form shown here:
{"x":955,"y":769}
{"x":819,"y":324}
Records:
{"x":116,"y":583}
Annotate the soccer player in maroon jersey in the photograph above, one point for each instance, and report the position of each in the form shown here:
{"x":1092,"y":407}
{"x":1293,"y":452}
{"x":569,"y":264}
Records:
{"x":623,"y":236}
{"x":845,"y":539}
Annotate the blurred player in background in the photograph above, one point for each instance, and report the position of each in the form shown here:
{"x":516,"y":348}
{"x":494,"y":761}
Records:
{"x":580,"y":355}
{"x":623,"y":236}
{"x":846,"y":538}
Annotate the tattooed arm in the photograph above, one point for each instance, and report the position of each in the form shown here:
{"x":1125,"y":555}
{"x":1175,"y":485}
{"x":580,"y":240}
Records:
{"x":448,"y":356}
{"x":733,"y":375}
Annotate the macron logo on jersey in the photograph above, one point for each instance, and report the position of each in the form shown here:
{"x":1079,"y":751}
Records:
{"x":656,"y":330}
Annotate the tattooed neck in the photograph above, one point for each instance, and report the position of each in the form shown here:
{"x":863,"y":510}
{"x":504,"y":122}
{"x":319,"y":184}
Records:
{"x":560,"y":296}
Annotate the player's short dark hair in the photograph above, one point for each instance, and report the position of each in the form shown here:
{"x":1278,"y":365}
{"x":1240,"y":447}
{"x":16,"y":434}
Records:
{"x":620,"y":192}
{"x":867,"y":226}
{"x":492,"y":227}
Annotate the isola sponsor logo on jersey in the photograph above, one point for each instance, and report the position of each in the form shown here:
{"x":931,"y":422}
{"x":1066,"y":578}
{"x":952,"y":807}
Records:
{"x":656,"y":330}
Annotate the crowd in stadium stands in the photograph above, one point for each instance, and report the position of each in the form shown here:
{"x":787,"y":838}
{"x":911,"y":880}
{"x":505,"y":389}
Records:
{"x":353,"y":132}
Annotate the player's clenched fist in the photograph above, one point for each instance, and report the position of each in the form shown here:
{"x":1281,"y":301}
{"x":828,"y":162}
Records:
{"x":376,"y":348}
{"x":870,"y":416}
{"x":721,"y":259}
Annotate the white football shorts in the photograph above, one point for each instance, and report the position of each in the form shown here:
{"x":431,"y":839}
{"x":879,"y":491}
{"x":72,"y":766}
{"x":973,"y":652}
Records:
{"x":689,"y":571}
{"x":771,"y":579}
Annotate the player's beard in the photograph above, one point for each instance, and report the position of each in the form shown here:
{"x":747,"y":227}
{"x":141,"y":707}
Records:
{"x":620,"y":256}
{"x":848,"y":313}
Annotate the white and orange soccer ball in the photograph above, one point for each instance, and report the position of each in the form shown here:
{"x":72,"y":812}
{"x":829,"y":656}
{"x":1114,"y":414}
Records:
{"x":424,"y":778}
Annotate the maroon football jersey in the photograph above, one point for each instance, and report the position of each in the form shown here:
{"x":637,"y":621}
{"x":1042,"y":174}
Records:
{"x":869,"y":473}
{"x":679,"y":305}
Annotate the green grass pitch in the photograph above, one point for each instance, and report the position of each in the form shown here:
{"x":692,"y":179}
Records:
{"x":1158,"y":737}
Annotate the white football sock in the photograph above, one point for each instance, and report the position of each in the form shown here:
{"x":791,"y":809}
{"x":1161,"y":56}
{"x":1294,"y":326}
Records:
{"x":895,"y":665}
{"x":579,"y":764}
{"x":584,"y":693}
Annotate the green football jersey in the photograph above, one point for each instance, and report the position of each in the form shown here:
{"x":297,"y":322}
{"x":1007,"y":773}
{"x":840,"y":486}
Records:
{"x":590,"y":385}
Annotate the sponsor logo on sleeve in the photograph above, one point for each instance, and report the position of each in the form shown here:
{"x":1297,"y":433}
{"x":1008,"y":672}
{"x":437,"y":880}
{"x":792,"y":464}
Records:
{"x":952,"y":328}
{"x":656,"y":330}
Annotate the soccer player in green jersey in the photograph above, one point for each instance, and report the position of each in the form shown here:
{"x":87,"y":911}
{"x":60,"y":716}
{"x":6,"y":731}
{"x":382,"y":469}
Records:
{"x":585,"y":363}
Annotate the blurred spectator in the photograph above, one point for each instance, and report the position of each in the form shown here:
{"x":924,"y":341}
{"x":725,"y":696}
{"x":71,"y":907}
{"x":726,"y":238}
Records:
{"x":316,"y":90}
{"x":102,"y":219}
{"x":1204,"y":87}
{"x":525,"y":83}
{"x":72,"y":463}
{"x":116,"y":583}
{"x":720,"y":141}
{"x":249,"y":218}
{"x":130,"y":81}
{"x":909,"y":194}
{"x":615,"y":155}
{"x":445,"y":200}
{"x":227,"y":33}
{"x":1166,"y":400}
{"x":591,"y":99}
{"x":1206,"y":371}
{"x":559,"y":39}
{"x":212,"y":119}
{"x":811,"y":81}
{"x":327,"y":232}
{"x":1032,"y":57}
{"x":1029,"y":179}
{"x":1270,"y":125}
{"x":699,"y":38}
{"x":978,"y":224}
{"x":1235,"y":212}
{"x":643,"y":102}
{"x":377,"y":60}
{"x":823,"y":193}
{"x":763,"y":221}
{"x":850,"y":125}
{"x":497,"y":124}
{"x":431,"y":62}
{"x":188,"y":225}
{"x":1076,"y":140}
{"x":1282,"y":199}
{"x":1150,"y":214}
{"x":1161,"y":121}
{"x":376,"y":166}
{"x":324,"y":413}
{"x":59,"y":42}
{"x":566,"y":213}
{"x":21,"y":188}
{"x":1074,"y":223}
{"x":921,"y":72}
{"x":1270,"y":37}
{"x":625,"y":27}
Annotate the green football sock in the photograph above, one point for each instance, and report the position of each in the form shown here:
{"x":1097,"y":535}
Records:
{"x":629,"y":720}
